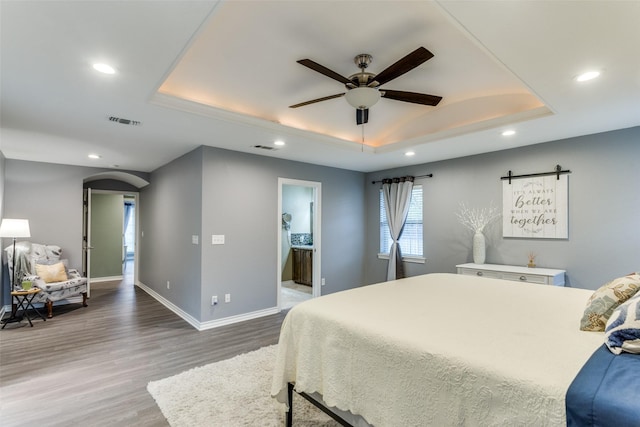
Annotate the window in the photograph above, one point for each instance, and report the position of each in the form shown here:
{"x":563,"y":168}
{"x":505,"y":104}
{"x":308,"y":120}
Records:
{"x":411,"y":239}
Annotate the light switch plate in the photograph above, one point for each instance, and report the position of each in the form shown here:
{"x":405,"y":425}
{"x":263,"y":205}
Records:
{"x":217,"y":239}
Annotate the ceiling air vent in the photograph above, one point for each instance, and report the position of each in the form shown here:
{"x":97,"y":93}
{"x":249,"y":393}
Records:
{"x":124,"y":121}
{"x":264,"y":147}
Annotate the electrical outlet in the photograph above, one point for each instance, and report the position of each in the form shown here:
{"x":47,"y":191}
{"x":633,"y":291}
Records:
{"x":194,"y":239}
{"x":217,"y":239}
{"x":168,"y":284}
{"x":322,"y":282}
{"x":214,"y":300}
{"x":227,"y":297}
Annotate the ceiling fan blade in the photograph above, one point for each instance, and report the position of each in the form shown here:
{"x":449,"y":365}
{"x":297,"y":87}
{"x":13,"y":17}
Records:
{"x":415,"y":98}
{"x":313,"y":101}
{"x":324,"y":70}
{"x":362,"y":116}
{"x":404,"y":65}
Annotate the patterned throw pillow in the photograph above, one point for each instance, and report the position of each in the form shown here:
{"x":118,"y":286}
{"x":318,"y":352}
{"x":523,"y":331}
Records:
{"x":622,"y":332}
{"x":606,"y":299}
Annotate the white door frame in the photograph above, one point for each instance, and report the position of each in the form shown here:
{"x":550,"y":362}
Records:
{"x":317,"y":225}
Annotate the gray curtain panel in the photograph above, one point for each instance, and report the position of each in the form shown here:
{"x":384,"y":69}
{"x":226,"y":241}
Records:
{"x":397,"y":198}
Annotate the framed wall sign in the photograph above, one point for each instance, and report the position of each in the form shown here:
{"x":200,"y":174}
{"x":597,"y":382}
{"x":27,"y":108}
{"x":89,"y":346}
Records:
{"x":536,"y":207}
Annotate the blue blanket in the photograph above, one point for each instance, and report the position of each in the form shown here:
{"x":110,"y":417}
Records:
{"x":606,"y":391}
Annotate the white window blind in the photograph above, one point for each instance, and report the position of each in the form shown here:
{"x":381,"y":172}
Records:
{"x":411,"y":239}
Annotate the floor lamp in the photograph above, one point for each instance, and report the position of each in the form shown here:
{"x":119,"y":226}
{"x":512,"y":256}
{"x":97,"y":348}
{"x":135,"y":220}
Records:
{"x":14,"y":228}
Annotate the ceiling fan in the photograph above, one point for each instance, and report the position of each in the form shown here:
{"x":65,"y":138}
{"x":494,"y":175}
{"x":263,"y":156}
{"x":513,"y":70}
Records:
{"x":363,"y":88}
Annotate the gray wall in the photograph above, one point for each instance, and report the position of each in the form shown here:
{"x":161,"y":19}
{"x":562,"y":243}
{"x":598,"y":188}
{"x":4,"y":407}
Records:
{"x":50,"y":197}
{"x":604,"y":219}
{"x":3,"y":270}
{"x":214,"y":191}
{"x":111,"y":185}
{"x":170,"y":212}
{"x":241,"y":202}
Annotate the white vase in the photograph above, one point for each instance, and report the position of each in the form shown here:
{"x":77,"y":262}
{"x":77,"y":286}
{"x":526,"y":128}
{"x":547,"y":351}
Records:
{"x":479,"y":248}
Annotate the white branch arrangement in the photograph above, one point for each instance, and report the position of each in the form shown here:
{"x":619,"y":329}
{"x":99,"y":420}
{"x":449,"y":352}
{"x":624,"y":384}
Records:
{"x":477,"y":219}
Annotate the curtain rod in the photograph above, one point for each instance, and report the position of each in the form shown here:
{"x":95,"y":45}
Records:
{"x":429,"y":175}
{"x":558,"y":171}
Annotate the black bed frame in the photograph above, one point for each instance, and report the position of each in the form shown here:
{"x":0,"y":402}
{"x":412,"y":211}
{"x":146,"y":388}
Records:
{"x":289,"y":420}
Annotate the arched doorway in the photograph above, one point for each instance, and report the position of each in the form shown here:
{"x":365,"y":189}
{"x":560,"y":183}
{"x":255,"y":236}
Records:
{"x":110,"y":226}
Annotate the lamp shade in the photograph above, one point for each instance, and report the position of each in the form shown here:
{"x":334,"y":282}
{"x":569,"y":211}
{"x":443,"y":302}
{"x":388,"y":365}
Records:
{"x":362,"y":97}
{"x":15,"y":228}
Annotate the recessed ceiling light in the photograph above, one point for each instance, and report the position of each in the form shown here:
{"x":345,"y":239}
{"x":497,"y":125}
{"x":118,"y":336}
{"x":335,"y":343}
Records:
{"x":410,"y":153}
{"x":104,"y":68}
{"x":279,"y":142}
{"x":93,"y":156}
{"x":508,"y":132}
{"x":589,"y":75}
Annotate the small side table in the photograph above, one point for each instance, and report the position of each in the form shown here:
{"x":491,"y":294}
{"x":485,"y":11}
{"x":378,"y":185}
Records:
{"x":23,"y":301}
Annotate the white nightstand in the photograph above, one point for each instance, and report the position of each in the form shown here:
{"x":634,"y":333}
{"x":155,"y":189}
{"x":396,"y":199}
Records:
{"x":543,"y":276}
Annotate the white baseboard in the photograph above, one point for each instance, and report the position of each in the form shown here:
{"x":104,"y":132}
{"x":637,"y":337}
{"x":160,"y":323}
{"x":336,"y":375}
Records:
{"x":105,"y":279}
{"x":171,"y":306}
{"x":238,"y":318}
{"x":202,"y":326}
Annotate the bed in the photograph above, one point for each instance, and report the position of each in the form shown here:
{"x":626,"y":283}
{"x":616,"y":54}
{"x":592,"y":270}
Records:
{"x":606,"y":391}
{"x":438,"y":350}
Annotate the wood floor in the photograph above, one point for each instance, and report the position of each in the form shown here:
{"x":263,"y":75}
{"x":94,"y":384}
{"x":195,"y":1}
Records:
{"x":91,"y":366}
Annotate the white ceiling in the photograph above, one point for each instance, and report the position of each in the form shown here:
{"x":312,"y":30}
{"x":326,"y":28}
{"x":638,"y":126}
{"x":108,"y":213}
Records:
{"x":223,"y":74}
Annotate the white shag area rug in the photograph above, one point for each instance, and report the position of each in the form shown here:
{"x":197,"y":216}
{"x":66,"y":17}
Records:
{"x":230,"y":393}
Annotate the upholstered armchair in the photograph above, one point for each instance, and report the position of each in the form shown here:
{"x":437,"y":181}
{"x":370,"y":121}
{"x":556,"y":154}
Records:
{"x":43,"y":266}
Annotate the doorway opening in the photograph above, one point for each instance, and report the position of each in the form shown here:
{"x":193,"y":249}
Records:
{"x":299,"y":243}
{"x":110,"y":235}
{"x":129,"y":238}
{"x":123,"y":252}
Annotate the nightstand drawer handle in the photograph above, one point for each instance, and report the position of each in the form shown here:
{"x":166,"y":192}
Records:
{"x":524,"y":278}
{"x":479,"y":273}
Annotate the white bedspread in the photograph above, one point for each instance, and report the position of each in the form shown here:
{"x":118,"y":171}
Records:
{"x":439,"y":350}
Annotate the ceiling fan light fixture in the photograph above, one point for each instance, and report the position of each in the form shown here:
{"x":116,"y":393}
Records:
{"x":362,"y":97}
